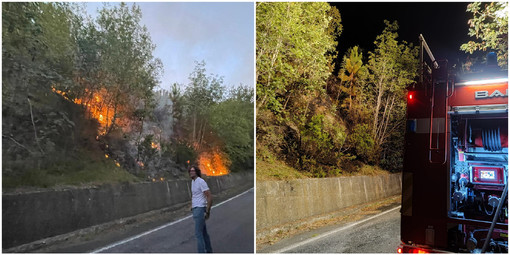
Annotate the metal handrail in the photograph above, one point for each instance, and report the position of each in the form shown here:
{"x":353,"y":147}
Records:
{"x":431,"y":148}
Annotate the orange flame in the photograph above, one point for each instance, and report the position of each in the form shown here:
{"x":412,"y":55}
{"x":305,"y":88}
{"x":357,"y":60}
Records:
{"x":97,"y":108}
{"x":155,"y":146}
{"x":213,"y":163}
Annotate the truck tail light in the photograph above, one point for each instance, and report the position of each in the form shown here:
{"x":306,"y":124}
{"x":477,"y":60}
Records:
{"x":410,"y":96}
{"x":409,"y":249}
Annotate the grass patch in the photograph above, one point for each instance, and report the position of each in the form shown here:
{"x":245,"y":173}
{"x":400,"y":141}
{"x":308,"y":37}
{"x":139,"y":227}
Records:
{"x":370,"y":170}
{"x":277,"y":170}
{"x":86,"y":169}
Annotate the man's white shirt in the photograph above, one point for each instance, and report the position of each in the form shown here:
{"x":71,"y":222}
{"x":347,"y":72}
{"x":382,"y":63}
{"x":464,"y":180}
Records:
{"x":198,"y":186}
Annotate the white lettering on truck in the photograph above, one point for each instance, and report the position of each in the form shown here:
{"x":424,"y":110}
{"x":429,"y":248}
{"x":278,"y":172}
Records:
{"x":485,"y":94}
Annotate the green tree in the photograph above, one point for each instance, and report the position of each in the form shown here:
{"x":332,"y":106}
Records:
{"x":128,"y":69}
{"x":203,"y":92}
{"x":295,"y":48}
{"x":232,"y":120}
{"x":293,"y":40}
{"x":391,"y":67}
{"x":352,"y":68}
{"x":177,"y":99}
{"x":489,"y":26}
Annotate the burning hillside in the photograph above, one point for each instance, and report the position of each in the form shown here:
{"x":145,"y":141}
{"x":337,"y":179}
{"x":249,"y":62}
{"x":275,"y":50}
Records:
{"x":97,"y":107}
{"x":213,"y":163}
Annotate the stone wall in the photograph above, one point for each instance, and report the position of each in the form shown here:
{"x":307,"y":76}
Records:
{"x":33,"y":216}
{"x":281,"y":202}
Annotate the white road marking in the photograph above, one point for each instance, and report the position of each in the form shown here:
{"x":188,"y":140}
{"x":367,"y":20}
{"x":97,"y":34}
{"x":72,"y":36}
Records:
{"x":293,"y":246}
{"x":160,"y":227}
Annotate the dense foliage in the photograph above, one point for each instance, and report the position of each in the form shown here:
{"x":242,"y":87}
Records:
{"x":319,"y":122}
{"x":36,"y":54}
{"x":489,"y":26}
{"x":292,"y":42}
{"x":208,"y":117}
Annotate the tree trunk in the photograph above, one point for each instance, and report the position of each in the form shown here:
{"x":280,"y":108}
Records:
{"x":194,"y":127}
{"x":384,"y":134}
{"x":377,"y":107}
{"x":381,"y":124}
{"x":380,"y":87}
{"x":203,"y":132}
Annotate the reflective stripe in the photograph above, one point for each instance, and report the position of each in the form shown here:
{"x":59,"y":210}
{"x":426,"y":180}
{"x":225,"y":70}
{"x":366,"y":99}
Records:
{"x":422,"y":126}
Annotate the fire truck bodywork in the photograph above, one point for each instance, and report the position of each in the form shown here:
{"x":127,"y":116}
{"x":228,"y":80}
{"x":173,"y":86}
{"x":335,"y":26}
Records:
{"x":456,"y":161}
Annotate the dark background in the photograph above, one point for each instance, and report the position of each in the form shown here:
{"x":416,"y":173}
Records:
{"x":444,"y":26}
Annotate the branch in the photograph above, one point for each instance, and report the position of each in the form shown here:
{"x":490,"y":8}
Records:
{"x":17,"y":143}
{"x":33,"y":124}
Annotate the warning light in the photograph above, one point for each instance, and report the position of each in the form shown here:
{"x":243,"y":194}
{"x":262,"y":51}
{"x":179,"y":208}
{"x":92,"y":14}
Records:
{"x":410,"y":96}
{"x":399,"y":250}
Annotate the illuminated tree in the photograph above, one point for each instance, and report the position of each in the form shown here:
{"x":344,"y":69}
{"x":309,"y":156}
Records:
{"x":489,"y":26}
{"x":352,"y":68}
{"x":391,"y":67}
{"x":293,"y":40}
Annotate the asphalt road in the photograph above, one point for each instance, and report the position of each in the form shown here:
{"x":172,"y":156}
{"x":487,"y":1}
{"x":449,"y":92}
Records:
{"x":230,"y":226}
{"x":378,"y":233}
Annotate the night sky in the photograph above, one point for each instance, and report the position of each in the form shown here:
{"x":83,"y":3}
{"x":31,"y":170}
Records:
{"x":444,"y":25}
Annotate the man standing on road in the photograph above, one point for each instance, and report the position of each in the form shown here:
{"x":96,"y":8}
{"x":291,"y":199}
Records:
{"x":201,"y":202}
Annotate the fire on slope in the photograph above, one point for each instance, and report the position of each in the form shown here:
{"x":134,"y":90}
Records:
{"x":96,"y":106}
{"x":213,"y":163}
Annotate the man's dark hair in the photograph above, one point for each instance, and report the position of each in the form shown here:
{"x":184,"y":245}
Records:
{"x":197,"y":171}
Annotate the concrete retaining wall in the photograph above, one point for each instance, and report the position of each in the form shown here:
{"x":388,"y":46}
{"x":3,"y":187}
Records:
{"x":281,"y":202}
{"x":34,"y":216}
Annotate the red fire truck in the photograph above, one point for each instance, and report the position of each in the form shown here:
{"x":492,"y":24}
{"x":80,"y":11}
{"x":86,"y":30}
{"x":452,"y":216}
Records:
{"x":454,"y":185}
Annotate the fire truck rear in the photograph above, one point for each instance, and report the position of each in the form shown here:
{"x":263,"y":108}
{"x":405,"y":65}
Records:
{"x":454,"y":189}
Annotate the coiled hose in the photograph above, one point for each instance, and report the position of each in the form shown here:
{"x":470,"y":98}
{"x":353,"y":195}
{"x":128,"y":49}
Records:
{"x":491,"y":139}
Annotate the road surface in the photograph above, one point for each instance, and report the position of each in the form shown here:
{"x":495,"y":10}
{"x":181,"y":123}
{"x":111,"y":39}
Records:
{"x":379,"y":233}
{"x":230,"y":227}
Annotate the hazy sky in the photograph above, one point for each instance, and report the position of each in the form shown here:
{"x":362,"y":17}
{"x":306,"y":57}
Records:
{"x":221,"y":34}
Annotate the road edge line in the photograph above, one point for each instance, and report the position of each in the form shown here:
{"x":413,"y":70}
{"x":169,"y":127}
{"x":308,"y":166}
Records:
{"x":160,"y":227}
{"x":293,"y":246}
